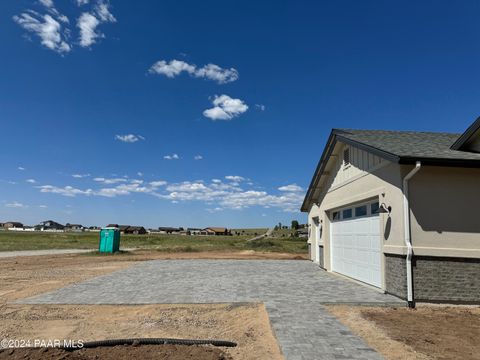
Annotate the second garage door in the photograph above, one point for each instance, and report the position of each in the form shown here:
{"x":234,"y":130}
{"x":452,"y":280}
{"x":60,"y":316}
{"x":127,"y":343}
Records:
{"x":355,"y":243}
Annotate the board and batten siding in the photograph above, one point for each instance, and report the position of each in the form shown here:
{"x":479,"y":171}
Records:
{"x":361,"y":162}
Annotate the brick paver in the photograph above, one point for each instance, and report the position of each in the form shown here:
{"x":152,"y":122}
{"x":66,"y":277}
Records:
{"x":293,"y":292}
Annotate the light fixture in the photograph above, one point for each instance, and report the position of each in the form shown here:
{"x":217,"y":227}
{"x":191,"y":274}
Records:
{"x":384,"y":209}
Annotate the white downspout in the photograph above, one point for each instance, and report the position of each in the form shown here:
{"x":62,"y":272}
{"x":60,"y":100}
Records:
{"x":408,"y":239}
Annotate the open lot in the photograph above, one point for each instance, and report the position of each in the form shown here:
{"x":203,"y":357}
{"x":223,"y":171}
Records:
{"x":10,"y":240}
{"x":309,"y":309}
{"x":427,"y":332}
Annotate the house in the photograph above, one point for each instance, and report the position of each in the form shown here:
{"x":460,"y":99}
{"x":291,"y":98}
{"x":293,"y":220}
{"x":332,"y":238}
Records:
{"x":217,"y":231}
{"x":12,"y":225}
{"x":49,"y":225}
{"x":169,"y":230}
{"x":74,"y":227}
{"x":398,"y":210}
{"x":137,"y":230}
{"x":196,"y":231}
{"x":94,"y":228}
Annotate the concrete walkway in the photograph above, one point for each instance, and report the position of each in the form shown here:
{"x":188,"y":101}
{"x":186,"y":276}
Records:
{"x":8,"y":254}
{"x":293,"y":292}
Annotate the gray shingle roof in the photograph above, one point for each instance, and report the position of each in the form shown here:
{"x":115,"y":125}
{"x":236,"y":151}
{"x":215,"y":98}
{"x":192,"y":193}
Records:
{"x":409,"y":144}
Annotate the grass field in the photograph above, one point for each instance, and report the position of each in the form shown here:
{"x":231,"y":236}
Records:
{"x":10,"y":241}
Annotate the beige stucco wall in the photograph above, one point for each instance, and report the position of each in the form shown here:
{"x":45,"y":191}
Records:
{"x":445,"y":211}
{"x":444,"y":216}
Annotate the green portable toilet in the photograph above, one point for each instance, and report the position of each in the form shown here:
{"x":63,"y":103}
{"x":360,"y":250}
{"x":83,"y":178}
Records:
{"x":109,"y":240}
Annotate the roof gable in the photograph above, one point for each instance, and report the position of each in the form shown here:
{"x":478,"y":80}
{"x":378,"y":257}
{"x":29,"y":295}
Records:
{"x":470,"y":139}
{"x":403,"y":147}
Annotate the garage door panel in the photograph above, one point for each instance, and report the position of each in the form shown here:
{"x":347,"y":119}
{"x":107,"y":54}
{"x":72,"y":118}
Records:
{"x":356,"y":249}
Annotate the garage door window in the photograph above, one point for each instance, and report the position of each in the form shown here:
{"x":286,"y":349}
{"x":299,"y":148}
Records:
{"x":375,"y":208}
{"x":347,"y":213}
{"x":361,"y":210}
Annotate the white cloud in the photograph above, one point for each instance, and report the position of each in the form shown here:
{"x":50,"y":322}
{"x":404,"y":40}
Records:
{"x":21,"y":168}
{"x":225,"y":108}
{"x":48,"y":29}
{"x":291,"y":188}
{"x":42,"y":206}
{"x":16,"y":204}
{"x":129,"y":138}
{"x":198,"y":157}
{"x":171,"y":157}
{"x":65,"y":191}
{"x":235,"y":178}
{"x":139,"y":173}
{"x":157,"y":183}
{"x":88,"y":23}
{"x":82,"y":2}
{"x":80,"y":176}
{"x":260,"y":107}
{"x":235,"y":193}
{"x":109,"y":181}
{"x":103,"y":12}
{"x":31,"y":181}
{"x":209,"y":71}
{"x":216,"y":73}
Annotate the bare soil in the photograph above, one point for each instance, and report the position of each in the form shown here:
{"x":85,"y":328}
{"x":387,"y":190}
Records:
{"x":246,"y":324}
{"x":170,"y":352}
{"x":427,"y":332}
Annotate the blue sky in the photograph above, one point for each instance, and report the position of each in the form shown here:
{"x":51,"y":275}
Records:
{"x":210,"y":113}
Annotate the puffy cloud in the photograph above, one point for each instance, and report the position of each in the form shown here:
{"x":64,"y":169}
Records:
{"x":291,"y":188}
{"x":157,"y":183}
{"x":210,"y":71}
{"x":129,"y":138}
{"x":225,"y":108}
{"x":48,"y":29}
{"x":31,"y":181}
{"x":171,"y":69}
{"x":88,"y":23}
{"x":260,"y":107}
{"x":235,"y":178}
{"x":216,"y":194}
{"x":171,"y":157}
{"x":21,"y":168}
{"x":82,"y":2}
{"x":80,"y":176}
{"x":198,"y":157}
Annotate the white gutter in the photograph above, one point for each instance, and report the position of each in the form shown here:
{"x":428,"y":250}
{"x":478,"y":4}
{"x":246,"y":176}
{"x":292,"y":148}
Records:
{"x":406,"y":227}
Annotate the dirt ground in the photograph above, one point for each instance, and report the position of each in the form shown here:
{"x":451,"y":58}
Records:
{"x":246,"y":324}
{"x":170,"y":352}
{"x":427,"y":332}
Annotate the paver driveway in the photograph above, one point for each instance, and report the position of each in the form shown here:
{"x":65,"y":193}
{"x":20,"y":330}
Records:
{"x":293,"y":292}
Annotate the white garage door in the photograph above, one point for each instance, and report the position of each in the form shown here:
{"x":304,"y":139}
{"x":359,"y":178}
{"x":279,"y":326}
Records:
{"x":355,"y":243}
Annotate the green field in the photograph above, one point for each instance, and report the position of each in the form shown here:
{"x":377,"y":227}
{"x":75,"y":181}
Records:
{"x":161,"y":242}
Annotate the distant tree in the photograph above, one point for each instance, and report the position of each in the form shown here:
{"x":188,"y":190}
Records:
{"x":279,"y":225}
{"x":294,"y":224}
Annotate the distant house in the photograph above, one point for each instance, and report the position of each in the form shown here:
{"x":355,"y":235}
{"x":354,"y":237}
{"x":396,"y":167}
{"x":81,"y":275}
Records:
{"x":13,"y":225}
{"x":195,"y":231}
{"x":49,"y":225}
{"x":217,"y":231}
{"x":94,"y":228}
{"x":74,"y":227}
{"x":137,"y":230}
{"x":169,"y":230}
